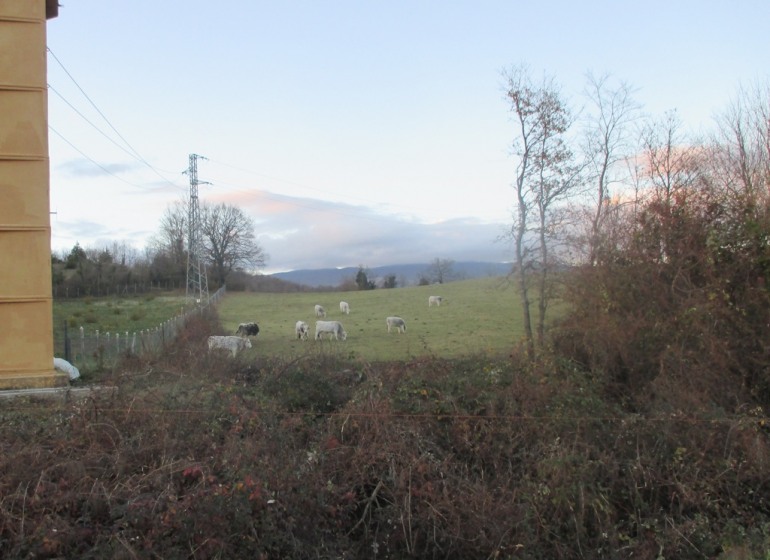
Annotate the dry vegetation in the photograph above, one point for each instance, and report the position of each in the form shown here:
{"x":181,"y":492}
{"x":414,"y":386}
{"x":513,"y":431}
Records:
{"x":324,"y":457}
{"x":636,"y":428}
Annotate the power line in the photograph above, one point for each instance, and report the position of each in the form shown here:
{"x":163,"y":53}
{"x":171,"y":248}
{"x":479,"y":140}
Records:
{"x":99,"y":130}
{"x":133,"y":152}
{"x":100,"y":166}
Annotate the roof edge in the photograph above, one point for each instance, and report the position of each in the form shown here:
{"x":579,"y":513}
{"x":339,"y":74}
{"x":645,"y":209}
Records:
{"x":51,"y":9}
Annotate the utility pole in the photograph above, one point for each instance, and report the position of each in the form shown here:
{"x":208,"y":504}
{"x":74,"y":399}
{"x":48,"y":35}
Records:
{"x":197,"y":283}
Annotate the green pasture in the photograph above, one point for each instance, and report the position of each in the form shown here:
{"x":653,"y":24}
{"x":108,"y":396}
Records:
{"x":477,"y":316}
{"x":111,"y":314}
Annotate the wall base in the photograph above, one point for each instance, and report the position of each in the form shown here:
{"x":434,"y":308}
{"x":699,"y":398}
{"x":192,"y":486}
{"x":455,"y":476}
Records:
{"x":33,"y":380}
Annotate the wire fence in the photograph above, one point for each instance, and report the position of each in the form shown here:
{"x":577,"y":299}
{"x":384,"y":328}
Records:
{"x":95,"y":349}
{"x":76,"y":291}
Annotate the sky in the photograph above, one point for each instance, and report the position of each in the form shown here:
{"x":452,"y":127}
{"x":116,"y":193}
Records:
{"x":351,"y":132}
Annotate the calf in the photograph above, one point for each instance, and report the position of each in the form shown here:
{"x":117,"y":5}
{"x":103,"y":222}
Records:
{"x":334,"y":328}
{"x":247,"y":329}
{"x":232,"y":344}
{"x":435,"y":300}
{"x":301,"y":329}
{"x":344,"y":307}
{"x":396,"y":323}
{"x":320,"y":311}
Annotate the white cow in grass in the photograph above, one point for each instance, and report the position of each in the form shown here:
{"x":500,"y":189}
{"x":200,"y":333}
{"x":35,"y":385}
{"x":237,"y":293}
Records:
{"x":301,"y":329}
{"x":396,"y":323}
{"x":435,"y":300}
{"x":232,"y":344}
{"x":344,"y":307}
{"x":334,"y":328}
{"x":320,"y":311}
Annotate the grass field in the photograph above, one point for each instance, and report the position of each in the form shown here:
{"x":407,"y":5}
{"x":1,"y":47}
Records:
{"x":112,"y":314}
{"x":477,"y":316}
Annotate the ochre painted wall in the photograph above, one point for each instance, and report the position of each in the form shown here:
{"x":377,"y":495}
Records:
{"x":26,"y":324}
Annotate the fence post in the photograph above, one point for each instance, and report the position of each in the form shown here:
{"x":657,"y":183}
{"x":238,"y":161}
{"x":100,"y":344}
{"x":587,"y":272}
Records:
{"x":67,"y":348}
{"x":82,"y":343}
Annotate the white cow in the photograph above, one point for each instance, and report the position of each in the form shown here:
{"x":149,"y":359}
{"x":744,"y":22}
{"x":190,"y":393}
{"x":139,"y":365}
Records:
{"x":301,"y":329}
{"x":320,"y":311}
{"x":435,"y":299}
{"x":344,"y":307}
{"x":396,"y":323}
{"x":232,"y":344}
{"x":334,"y":328}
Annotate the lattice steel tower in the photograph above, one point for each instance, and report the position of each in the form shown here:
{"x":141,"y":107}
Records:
{"x":197,"y":284}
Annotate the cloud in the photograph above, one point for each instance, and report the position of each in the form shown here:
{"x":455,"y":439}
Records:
{"x":310,"y":233}
{"x":91,"y":234}
{"x":300,"y":232}
{"x":89,"y":168}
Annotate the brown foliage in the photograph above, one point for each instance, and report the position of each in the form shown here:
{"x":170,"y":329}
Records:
{"x":676,"y":308}
{"x":203,"y":457}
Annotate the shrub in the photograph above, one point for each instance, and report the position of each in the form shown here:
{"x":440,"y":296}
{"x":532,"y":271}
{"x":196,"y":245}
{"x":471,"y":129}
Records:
{"x":309,"y":385}
{"x":138,"y":315}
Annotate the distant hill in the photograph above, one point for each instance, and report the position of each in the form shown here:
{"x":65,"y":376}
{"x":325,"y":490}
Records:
{"x":406,"y":274}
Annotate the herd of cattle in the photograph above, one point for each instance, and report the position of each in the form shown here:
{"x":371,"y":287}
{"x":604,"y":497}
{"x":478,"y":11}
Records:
{"x":334,"y":329}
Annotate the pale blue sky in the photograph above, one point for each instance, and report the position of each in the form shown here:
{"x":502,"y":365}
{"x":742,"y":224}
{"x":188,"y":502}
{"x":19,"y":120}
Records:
{"x":352,"y":132}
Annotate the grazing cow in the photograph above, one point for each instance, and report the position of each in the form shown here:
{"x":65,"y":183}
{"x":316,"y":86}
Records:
{"x":301,"y":329}
{"x":435,"y":299}
{"x":320,"y":311}
{"x":344,"y":307}
{"x":396,"y":323}
{"x":334,"y":328}
{"x":232,"y":344}
{"x":247,"y":329}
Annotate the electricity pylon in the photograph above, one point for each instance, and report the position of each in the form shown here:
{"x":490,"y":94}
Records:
{"x":197,"y":283}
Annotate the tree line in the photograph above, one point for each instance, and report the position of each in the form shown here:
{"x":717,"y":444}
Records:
{"x":229,"y":250}
{"x":230,"y":253}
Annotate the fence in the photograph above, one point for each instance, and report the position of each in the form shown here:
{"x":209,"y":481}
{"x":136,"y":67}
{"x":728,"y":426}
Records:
{"x":99,"y":349}
{"x":75,"y":291}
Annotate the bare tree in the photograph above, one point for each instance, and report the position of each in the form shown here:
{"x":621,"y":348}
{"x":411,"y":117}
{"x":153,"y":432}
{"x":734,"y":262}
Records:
{"x":440,"y":271}
{"x":607,"y":143}
{"x":522,"y":97}
{"x":124,"y":254}
{"x":229,"y":241}
{"x":545,"y":177}
{"x":743,"y":141}
{"x":169,"y":245}
{"x":669,"y":158}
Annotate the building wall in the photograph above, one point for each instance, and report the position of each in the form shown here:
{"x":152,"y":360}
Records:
{"x":26,"y":323}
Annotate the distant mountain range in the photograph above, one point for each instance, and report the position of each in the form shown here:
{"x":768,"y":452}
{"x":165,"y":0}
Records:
{"x":406,"y":274}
